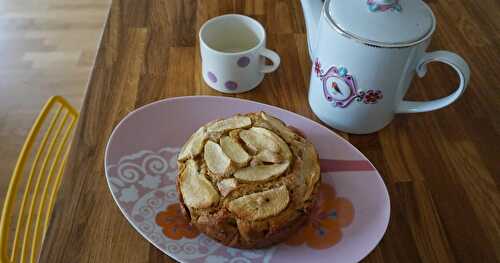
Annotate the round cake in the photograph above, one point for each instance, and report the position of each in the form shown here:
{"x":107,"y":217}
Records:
{"x":247,"y":181}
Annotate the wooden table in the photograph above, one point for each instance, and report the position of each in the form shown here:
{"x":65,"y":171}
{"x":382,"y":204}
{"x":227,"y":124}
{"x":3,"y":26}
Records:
{"x":442,"y":168}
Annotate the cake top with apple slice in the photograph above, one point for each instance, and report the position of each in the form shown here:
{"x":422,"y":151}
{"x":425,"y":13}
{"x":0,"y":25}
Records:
{"x":247,"y":168}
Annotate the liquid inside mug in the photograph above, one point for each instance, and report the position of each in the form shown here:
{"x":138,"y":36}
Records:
{"x":233,"y":52}
{"x":365,"y":54}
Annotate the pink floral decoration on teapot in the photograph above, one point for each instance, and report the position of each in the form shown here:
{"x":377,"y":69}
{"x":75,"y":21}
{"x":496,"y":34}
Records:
{"x":384,"y":5}
{"x":340,"y":88}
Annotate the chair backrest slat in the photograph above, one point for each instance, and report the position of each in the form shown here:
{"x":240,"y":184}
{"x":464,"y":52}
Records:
{"x":40,"y":185}
{"x":21,"y":224}
{"x":49,"y":182}
{"x":31,"y":213}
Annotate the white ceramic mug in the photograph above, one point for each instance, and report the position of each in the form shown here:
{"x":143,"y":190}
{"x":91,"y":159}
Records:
{"x":233,"y":52}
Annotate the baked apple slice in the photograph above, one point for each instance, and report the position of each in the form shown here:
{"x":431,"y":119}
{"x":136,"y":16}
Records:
{"x":215,"y":158}
{"x":261,"y":172}
{"x":234,"y":122}
{"x":194,"y":145}
{"x":234,"y":150}
{"x":227,"y":185}
{"x":257,"y":141}
{"x":196,"y":190}
{"x":260,"y":205}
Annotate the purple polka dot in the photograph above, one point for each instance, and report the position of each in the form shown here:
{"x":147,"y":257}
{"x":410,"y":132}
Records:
{"x":212,"y":77}
{"x":231,"y":85}
{"x":243,"y":61}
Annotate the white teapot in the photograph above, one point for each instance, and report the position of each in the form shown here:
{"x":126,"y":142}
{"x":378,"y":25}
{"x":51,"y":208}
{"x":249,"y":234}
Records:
{"x":365,"y":54}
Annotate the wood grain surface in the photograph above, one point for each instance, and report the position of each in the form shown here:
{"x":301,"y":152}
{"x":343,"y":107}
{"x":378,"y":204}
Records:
{"x":47,"y":47}
{"x":442,"y":168}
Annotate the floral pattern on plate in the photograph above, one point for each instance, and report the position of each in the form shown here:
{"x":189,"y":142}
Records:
{"x":143,"y":184}
{"x":324,"y":228}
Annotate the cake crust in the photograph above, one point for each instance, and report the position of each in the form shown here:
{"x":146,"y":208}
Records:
{"x":264,"y":193}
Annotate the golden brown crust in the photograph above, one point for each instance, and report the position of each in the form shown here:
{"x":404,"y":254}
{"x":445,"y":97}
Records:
{"x":301,"y":181}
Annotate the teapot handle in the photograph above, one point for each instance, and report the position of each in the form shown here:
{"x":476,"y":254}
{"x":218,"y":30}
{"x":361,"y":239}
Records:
{"x":457,"y":63}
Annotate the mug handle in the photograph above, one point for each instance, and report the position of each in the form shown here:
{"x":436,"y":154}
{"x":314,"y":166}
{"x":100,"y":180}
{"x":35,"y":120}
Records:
{"x":274,"y":57}
{"x":457,"y":63}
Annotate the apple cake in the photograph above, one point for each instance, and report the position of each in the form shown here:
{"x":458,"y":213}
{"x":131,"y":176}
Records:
{"x":247,"y":181}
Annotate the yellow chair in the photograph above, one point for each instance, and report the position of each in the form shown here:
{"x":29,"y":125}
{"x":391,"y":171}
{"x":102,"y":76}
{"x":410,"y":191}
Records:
{"x":41,"y":183}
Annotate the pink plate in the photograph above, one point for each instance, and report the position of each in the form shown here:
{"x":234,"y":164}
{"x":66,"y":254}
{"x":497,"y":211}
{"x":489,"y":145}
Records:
{"x":141,"y":168}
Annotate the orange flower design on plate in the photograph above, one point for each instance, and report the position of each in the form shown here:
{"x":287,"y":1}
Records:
{"x":324,"y":228}
{"x":174,"y":224}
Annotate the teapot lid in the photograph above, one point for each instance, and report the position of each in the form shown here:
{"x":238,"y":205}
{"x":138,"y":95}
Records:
{"x":383,"y":23}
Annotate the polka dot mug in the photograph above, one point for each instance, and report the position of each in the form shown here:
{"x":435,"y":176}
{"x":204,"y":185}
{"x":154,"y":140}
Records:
{"x":233,"y":53}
